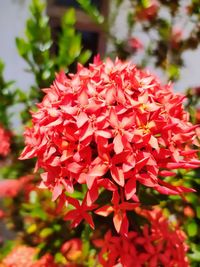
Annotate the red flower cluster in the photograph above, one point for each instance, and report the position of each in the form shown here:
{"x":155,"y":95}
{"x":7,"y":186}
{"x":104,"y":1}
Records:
{"x":109,"y":127}
{"x":2,"y":214}
{"x":5,"y":142}
{"x":72,"y":249}
{"x":157,"y":245}
{"x":176,"y":37}
{"x":135,"y":44}
{"x":149,"y":12}
{"x":197,"y":115}
{"x":11,"y":187}
{"x":24,"y":256}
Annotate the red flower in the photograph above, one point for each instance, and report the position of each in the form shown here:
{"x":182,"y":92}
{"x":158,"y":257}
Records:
{"x":46,"y":261}
{"x":5,"y":137}
{"x":148,"y":12}
{"x":157,"y":245}
{"x":176,"y":37}
{"x":80,"y":212}
{"x":196,"y":91}
{"x":20,"y":256}
{"x":24,"y":256}
{"x":72,"y":249}
{"x":11,"y":187}
{"x":135,"y":44}
{"x":2,"y":214}
{"x":119,"y":219}
{"x":197,"y":115}
{"x":189,"y":212}
{"x":109,"y":127}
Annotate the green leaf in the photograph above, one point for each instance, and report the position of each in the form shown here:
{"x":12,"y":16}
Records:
{"x":38,"y":213}
{"x":6,"y":248}
{"x":145,"y":3}
{"x":195,"y":256}
{"x":69,"y":18}
{"x":46,"y":74}
{"x":85,"y":236}
{"x":91,"y":10}
{"x":173,"y":72}
{"x":119,"y":2}
{"x":84,"y":56}
{"x":130,"y":19}
{"x":1,"y":67}
{"x":57,"y":227}
{"x":37,"y":7}
{"x":164,"y":29}
{"x":59,"y":258}
{"x":22,"y":46}
{"x":21,"y":96}
{"x":46,"y":232}
{"x":198,"y":212}
{"x":76,"y":194}
{"x":76,"y":47}
{"x":31,"y":229}
{"x":192,"y":229}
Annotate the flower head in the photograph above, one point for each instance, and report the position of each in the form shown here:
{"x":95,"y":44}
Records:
{"x":109,"y":127}
{"x":5,"y":142}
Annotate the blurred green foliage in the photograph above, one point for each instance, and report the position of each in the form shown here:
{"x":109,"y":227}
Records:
{"x":35,"y":219}
{"x":35,"y":48}
{"x":7,"y":97}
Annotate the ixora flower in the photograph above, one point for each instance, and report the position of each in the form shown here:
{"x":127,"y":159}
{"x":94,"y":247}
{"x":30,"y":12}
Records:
{"x":109,"y":127}
{"x":135,"y":44}
{"x":158,"y":244}
{"x":72,"y":249}
{"x":24,"y":256}
{"x":5,"y":142}
{"x":176,"y":37}
{"x":148,"y":11}
{"x":12,"y":187}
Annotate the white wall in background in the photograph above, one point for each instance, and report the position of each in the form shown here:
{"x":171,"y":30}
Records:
{"x":190,"y":74}
{"x":13,"y":15}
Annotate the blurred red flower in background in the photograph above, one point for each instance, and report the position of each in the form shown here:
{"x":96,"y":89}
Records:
{"x":149,"y":11}
{"x":11,"y":187}
{"x":176,"y":37}
{"x":135,"y":44}
{"x":197,"y":115}
{"x":5,"y":138}
{"x":24,"y":256}
{"x":72,"y":249}
{"x":2,"y":214}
